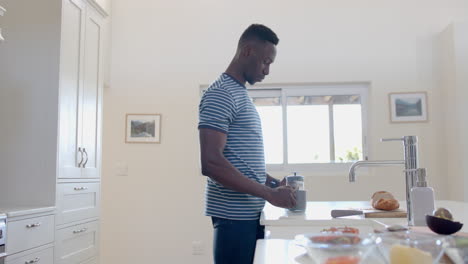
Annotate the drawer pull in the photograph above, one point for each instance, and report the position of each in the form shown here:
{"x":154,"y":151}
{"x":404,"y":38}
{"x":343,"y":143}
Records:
{"x":32,"y":261}
{"x":80,"y":231}
{"x":80,"y":188}
{"x":33,"y":225}
{"x":86,"y":161}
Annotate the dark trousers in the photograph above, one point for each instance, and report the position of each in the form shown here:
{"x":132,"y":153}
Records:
{"x":235,"y":240}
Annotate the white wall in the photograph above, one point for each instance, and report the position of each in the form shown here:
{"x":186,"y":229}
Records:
{"x":163,"y":50}
{"x":29,"y":78}
{"x":453,"y":56}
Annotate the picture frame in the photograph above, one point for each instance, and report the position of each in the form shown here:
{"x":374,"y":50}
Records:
{"x":408,"y":107}
{"x":143,"y":128}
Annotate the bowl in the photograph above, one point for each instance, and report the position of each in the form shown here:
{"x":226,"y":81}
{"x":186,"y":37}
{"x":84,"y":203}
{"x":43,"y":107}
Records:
{"x":458,"y":250}
{"x":442,"y":226}
{"x":326,"y":248}
{"x":410,"y":247}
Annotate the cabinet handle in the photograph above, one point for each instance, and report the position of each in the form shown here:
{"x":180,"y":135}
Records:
{"x":33,"y":225}
{"x":80,"y":231}
{"x":80,"y":188}
{"x":81,"y":161}
{"x":32,"y":261}
{"x":86,"y":161}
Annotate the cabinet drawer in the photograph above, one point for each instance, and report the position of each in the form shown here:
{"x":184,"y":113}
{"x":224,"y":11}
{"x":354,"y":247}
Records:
{"x":77,"y":201}
{"x":77,"y":244}
{"x":29,"y":233}
{"x":45,"y":256}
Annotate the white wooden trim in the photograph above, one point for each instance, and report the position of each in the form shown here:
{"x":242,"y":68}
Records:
{"x":98,"y":8}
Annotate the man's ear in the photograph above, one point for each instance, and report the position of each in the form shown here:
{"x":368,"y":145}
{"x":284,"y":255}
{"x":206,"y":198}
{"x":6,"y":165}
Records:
{"x":246,"y":50}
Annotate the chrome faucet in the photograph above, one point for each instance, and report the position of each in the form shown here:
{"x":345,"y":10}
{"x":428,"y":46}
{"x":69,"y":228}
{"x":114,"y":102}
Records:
{"x":410,"y":161}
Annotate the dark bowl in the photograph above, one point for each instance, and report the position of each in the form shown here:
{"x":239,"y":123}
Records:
{"x":442,"y":226}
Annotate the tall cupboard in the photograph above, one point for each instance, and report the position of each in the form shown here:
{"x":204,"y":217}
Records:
{"x":51,"y":87}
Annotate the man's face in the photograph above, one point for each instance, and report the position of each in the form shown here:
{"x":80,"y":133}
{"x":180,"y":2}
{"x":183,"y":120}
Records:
{"x":258,"y":62}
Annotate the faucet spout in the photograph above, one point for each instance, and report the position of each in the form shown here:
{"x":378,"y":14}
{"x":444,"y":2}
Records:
{"x":365,"y":163}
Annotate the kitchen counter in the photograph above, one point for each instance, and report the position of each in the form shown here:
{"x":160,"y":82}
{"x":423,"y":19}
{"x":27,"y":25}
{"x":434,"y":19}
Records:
{"x":18,"y":211}
{"x":319,"y":212}
{"x":281,"y":226}
{"x":315,"y":211}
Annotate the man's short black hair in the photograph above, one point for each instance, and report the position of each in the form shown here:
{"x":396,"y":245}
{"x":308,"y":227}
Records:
{"x":259,"y":32}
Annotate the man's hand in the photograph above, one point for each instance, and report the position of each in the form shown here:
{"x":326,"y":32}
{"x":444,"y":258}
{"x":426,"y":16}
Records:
{"x":283,"y":196}
{"x":283,"y":182}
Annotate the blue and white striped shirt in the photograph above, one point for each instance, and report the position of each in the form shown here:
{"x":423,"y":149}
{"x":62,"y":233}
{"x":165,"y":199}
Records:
{"x":226,"y":107}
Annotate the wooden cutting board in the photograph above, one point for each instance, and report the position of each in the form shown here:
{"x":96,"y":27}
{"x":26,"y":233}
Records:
{"x":374,"y":213}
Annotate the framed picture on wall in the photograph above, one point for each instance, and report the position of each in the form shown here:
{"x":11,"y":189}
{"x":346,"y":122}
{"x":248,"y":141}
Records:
{"x":143,"y":128}
{"x":408,"y":107}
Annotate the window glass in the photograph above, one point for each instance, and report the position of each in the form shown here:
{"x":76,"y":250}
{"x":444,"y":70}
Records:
{"x":308,"y":130}
{"x":347,"y":132}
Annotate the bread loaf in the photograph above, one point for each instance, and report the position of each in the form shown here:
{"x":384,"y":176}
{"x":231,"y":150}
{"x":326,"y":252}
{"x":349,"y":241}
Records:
{"x":383,"y":200}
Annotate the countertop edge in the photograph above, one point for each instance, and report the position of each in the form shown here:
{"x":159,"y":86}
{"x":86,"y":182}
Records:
{"x":12,"y":212}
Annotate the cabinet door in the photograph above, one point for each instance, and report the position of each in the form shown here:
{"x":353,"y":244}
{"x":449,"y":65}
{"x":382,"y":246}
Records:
{"x":77,"y":244}
{"x":71,"y":82}
{"x":92,"y":95}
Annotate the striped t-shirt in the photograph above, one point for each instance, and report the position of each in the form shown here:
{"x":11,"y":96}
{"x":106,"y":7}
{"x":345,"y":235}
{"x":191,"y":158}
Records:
{"x":226,"y":107}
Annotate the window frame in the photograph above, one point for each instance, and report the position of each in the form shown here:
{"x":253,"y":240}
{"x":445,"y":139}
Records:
{"x":315,"y":89}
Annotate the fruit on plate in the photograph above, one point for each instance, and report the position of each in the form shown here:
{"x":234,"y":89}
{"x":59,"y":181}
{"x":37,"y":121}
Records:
{"x":346,"y":229}
{"x":343,"y":260}
{"x":400,"y":254}
{"x":336,"y":239}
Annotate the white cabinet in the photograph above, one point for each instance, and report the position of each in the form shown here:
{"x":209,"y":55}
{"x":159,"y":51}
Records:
{"x":79,"y":146}
{"x":80,"y":92}
{"x":51,"y":73}
{"x":77,"y":244}
{"x":29,"y":233}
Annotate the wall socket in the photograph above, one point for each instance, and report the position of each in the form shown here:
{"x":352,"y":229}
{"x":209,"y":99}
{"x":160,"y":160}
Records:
{"x":198,"y":248}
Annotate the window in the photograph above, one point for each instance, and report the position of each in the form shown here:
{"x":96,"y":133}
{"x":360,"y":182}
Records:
{"x":318,"y":127}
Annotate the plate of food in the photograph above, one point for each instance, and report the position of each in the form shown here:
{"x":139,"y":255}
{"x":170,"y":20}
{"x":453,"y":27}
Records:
{"x":337,"y":247}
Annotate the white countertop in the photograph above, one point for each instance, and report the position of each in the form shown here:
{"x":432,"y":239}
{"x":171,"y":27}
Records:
{"x":282,"y":251}
{"x":317,"y":212}
{"x":271,"y":251}
{"x":15,"y":211}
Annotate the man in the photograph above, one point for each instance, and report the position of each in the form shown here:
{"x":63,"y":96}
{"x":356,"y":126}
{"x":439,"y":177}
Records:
{"x":232,"y":154}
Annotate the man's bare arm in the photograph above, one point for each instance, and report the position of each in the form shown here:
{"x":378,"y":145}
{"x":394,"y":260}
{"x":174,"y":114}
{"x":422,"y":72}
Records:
{"x":218,"y":168}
